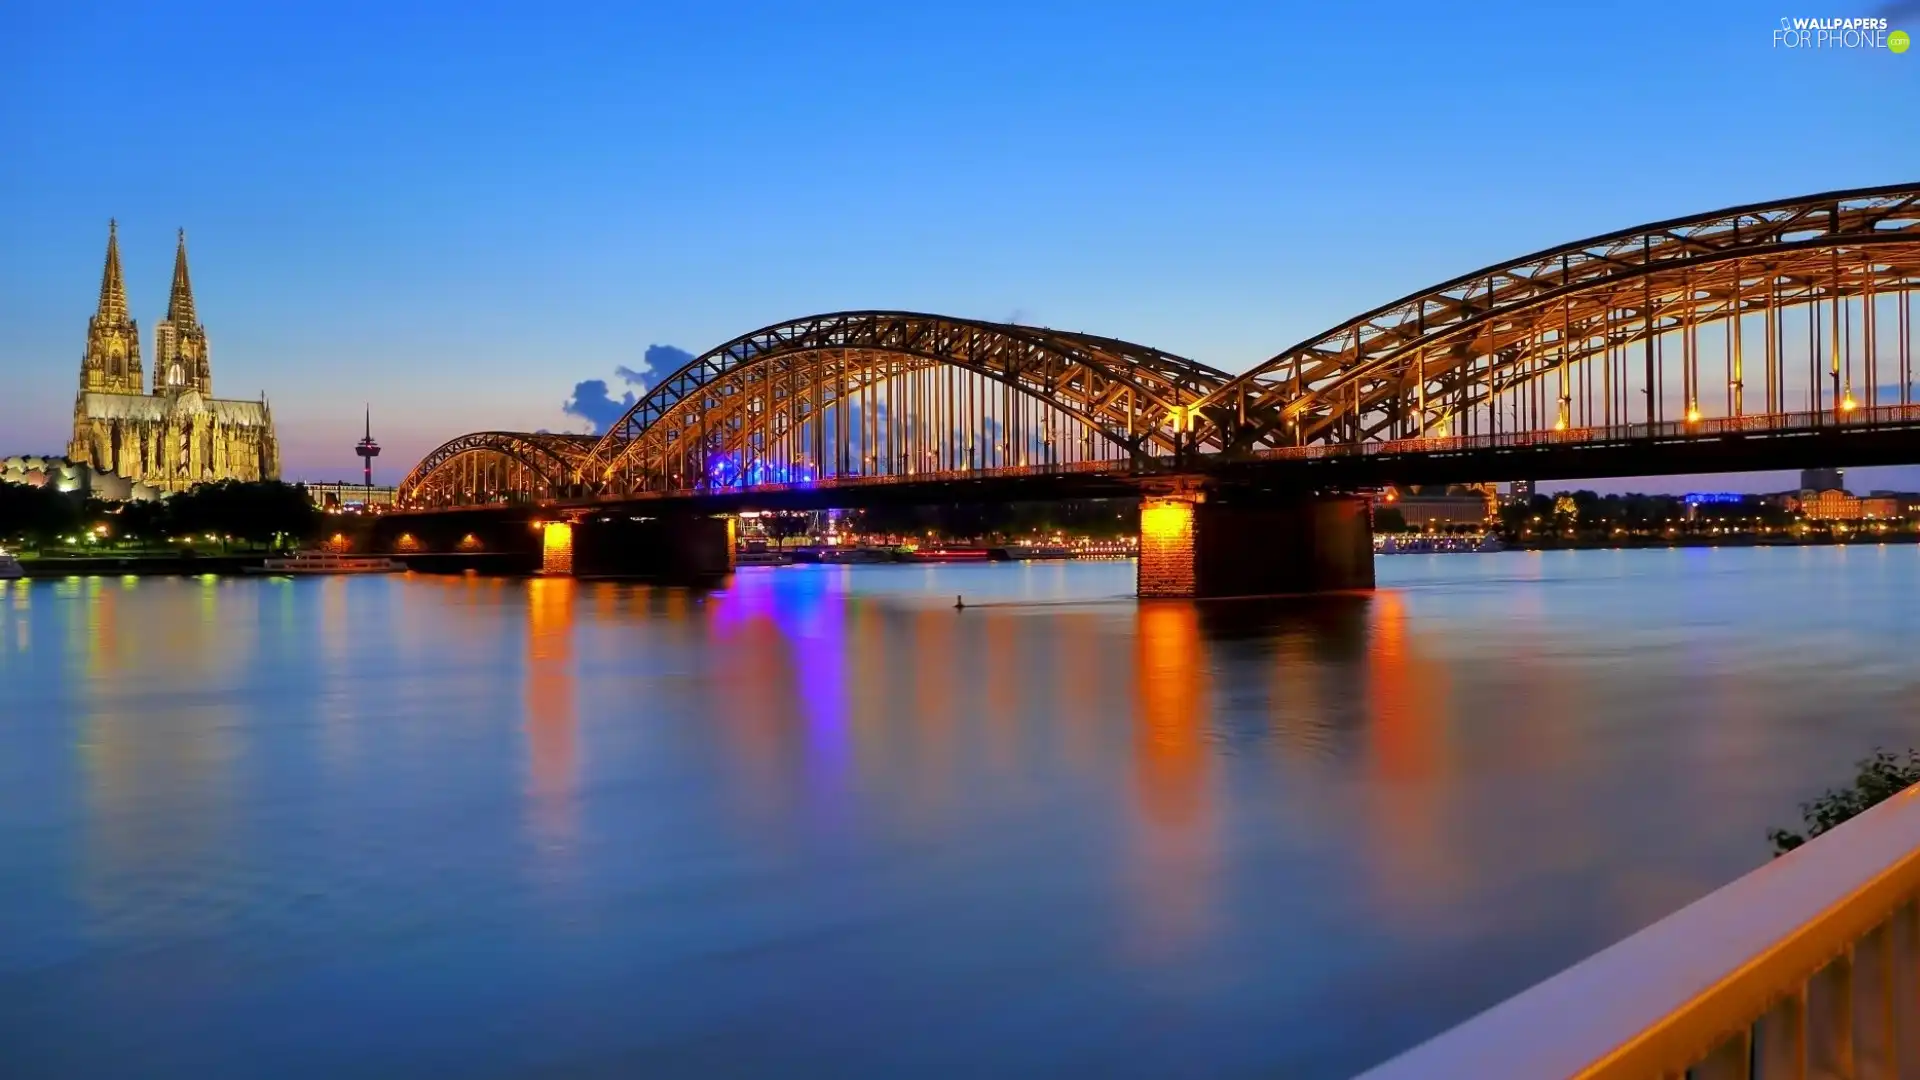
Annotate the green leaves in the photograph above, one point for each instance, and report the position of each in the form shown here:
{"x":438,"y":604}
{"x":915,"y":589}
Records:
{"x":1879,"y":778}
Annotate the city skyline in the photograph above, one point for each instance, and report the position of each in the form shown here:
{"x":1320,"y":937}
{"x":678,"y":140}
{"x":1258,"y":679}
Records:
{"x":463,"y":242}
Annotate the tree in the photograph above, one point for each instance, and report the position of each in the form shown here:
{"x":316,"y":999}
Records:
{"x":1514,"y":518}
{"x":784,"y":526}
{"x":1389,"y":519}
{"x":144,"y":522}
{"x":36,"y":515}
{"x":259,"y":512}
{"x":1878,"y":779}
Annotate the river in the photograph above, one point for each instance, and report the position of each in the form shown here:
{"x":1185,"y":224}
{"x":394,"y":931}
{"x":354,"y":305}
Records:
{"x":818,"y":822}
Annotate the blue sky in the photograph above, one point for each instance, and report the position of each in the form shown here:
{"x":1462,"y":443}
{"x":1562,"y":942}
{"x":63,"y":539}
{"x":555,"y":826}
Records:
{"x":460,"y":212}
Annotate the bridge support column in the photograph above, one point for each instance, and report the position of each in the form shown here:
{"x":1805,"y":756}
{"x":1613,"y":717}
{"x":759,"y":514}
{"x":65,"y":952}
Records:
{"x":1168,"y":566}
{"x":684,"y":548}
{"x":1197,"y":542}
{"x":556,"y":548}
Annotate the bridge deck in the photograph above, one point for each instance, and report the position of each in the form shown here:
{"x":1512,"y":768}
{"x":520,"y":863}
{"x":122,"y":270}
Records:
{"x":1885,"y":435}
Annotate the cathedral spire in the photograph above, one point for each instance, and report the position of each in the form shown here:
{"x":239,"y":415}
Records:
{"x":180,"y":360}
{"x":113,"y":287}
{"x":180,"y":301}
{"x":111,"y":364}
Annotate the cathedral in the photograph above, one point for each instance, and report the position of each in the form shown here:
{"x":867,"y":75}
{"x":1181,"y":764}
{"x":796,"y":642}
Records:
{"x":180,"y":434}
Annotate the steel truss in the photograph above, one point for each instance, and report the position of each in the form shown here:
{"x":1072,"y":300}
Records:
{"x":499,"y":466}
{"x":1662,"y":322}
{"x":1794,"y":309}
{"x":883,"y":393}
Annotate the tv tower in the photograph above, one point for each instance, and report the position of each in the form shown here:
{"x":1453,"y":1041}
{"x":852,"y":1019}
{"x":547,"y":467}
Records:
{"x":367,"y":450}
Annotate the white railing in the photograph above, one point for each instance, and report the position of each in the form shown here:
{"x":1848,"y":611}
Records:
{"x":1807,"y":968}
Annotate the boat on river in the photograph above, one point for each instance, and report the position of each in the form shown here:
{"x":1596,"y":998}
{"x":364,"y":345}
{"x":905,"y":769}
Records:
{"x":761,"y":558}
{"x":1418,"y":544}
{"x":837,"y":554}
{"x":321,"y":562}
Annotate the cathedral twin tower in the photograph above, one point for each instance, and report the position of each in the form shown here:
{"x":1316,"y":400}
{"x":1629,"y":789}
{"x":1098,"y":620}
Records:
{"x":180,"y":434}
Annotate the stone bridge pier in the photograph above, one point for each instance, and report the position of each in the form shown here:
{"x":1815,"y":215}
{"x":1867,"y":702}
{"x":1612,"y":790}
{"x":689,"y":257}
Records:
{"x":1202,"y":539}
{"x":525,"y":540}
{"x":678,"y":547}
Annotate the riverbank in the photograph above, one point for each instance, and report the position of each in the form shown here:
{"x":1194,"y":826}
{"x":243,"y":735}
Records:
{"x":1613,"y":542}
{"x":59,"y":566}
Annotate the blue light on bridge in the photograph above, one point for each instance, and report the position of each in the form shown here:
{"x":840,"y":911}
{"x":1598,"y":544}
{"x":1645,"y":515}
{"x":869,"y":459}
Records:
{"x":1704,"y":498}
{"x":725,"y":471}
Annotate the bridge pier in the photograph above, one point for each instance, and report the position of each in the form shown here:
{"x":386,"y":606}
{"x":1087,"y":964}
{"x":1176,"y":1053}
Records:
{"x":680,"y":547}
{"x":1199,"y":540}
{"x":521,"y":540}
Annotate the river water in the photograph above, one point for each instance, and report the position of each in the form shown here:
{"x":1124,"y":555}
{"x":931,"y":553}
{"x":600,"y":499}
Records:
{"x":820,"y":823}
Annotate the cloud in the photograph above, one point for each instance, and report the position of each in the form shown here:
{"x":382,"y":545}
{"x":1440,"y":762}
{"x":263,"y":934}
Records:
{"x":593,"y":402}
{"x":659,"y":362}
{"x":590,"y":402}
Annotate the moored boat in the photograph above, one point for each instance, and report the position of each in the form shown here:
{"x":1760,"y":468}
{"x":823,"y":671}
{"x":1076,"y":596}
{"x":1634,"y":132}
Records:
{"x":761,"y":558}
{"x":1417,"y":544}
{"x":949,"y":554}
{"x":843,"y":554}
{"x":1028,"y":552}
{"x":320,"y":562}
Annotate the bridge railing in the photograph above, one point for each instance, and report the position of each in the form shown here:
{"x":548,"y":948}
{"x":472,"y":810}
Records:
{"x":1706,"y":427}
{"x":1674,"y":430}
{"x":1808,"y":967}
{"x":932,"y":476}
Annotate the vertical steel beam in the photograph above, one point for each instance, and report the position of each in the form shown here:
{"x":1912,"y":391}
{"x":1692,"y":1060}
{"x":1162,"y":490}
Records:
{"x":1736,"y":361}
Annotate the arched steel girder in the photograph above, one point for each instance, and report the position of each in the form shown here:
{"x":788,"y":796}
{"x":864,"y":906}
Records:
{"x":557,"y":459}
{"x":1408,"y":361}
{"x":1138,"y":397}
{"x":1457,"y":370}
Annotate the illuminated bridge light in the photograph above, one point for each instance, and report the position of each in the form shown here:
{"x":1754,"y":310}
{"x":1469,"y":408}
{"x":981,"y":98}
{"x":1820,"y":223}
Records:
{"x":1166,"y":546}
{"x":556,"y":548}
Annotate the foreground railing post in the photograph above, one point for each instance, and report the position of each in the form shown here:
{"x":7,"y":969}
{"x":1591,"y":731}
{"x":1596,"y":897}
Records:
{"x":1731,"y":1060}
{"x":1780,"y":1050}
{"x":1808,"y":968}
{"x":1830,"y":1020}
{"x":1904,"y":932}
{"x":1873,"y":1019}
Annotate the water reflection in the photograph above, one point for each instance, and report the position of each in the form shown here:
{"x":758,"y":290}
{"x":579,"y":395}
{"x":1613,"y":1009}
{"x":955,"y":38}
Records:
{"x":155,"y":688}
{"x":1408,"y":716}
{"x":1175,"y":850}
{"x":684,"y":832}
{"x":551,"y":719}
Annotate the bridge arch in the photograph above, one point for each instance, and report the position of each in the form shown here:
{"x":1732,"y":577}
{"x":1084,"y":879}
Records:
{"x":487,"y":466}
{"x":1479,"y":354}
{"x":819,"y":395}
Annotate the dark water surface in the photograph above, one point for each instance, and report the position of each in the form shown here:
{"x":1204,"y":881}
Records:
{"x":818,"y":823}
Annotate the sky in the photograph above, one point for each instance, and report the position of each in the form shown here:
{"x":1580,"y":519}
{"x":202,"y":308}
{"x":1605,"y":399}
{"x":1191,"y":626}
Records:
{"x":457,"y":215}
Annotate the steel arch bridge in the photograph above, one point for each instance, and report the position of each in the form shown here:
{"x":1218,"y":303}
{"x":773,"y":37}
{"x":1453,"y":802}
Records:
{"x":1684,"y":320}
{"x":865,"y":396}
{"x":1772,"y":317}
{"x":500,"y":466}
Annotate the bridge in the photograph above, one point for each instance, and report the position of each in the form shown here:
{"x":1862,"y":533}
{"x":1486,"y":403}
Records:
{"x":1765,"y":336}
